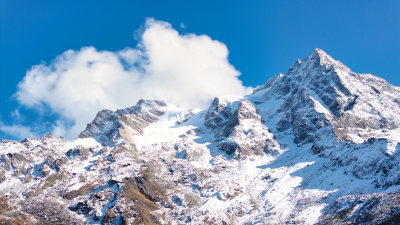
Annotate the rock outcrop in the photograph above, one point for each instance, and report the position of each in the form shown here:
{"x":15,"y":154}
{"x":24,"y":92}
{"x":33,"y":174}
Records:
{"x":319,"y":144}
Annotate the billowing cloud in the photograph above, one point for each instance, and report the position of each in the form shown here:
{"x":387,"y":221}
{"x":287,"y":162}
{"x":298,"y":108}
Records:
{"x":187,"y":70}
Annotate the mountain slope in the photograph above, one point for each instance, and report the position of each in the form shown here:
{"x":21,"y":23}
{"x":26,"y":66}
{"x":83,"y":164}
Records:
{"x":316,"y":145}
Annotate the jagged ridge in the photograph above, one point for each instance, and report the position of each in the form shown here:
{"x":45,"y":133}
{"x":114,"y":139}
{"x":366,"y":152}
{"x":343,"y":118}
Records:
{"x":318,"y":144}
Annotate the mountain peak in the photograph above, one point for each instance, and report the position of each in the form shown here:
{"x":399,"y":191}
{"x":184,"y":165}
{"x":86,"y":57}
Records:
{"x":320,"y":52}
{"x":322,"y":57}
{"x":106,"y":121}
{"x":319,"y":63}
{"x":303,"y":148}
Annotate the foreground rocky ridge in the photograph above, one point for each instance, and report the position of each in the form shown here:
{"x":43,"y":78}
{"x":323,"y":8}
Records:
{"x":317,"y":145}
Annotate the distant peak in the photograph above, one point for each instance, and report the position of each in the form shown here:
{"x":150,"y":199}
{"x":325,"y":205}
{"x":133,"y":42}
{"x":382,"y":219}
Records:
{"x":318,"y":58}
{"x":322,"y":56}
{"x":319,"y":51}
{"x":151,"y":102}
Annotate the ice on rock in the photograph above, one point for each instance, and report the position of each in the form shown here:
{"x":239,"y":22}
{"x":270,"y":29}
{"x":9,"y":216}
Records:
{"x":319,"y":144}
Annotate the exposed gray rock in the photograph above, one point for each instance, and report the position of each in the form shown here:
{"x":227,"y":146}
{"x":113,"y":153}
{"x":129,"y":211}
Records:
{"x":364,"y":209}
{"x":239,"y":129}
{"x":107,"y":122}
{"x":2,"y":175}
{"x":218,"y":114}
{"x":316,"y":145}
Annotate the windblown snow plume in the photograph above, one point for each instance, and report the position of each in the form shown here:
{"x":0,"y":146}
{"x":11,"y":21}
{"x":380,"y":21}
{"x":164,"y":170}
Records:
{"x":188,"y":70}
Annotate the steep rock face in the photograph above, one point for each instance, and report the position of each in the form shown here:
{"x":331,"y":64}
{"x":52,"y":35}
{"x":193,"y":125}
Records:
{"x":218,"y":114}
{"x":294,"y":108}
{"x":107,"y":123}
{"x":244,"y":132}
{"x":358,"y":102}
{"x":239,"y":129}
{"x":364,"y":209}
{"x":319,"y":144}
{"x":326,"y":78}
{"x":319,"y":90}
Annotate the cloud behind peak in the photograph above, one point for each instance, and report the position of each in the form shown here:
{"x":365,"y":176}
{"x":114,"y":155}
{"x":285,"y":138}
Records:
{"x":183,"y":69}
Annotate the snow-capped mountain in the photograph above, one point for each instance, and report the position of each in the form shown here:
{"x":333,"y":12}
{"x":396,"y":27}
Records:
{"x":319,"y":144}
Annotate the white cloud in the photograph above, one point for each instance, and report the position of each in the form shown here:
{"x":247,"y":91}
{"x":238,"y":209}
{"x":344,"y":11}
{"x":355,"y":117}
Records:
{"x":186,"y":70}
{"x":15,"y":114}
{"x":18,"y":131}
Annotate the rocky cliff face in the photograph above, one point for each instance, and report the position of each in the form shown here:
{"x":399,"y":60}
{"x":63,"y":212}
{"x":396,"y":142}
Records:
{"x":316,"y":145}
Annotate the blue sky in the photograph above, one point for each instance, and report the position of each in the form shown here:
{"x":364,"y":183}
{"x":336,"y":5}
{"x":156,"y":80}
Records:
{"x":263,"y":37}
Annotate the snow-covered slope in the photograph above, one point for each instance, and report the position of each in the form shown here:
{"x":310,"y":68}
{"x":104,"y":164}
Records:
{"x":316,"y":145}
